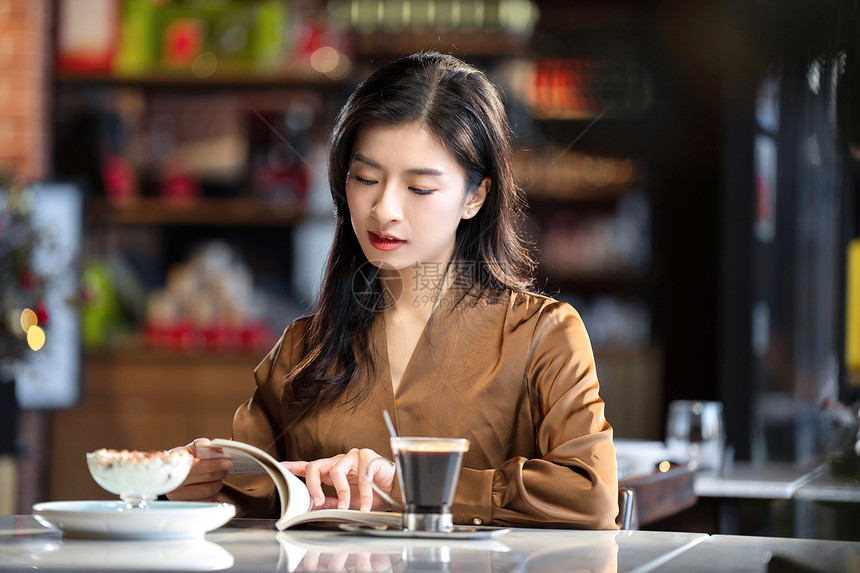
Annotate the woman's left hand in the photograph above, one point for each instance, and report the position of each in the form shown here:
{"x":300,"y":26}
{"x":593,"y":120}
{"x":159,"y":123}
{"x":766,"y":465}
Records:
{"x":348,"y":474}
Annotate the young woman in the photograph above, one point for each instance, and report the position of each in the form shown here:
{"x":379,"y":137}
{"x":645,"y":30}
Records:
{"x":425,"y":312}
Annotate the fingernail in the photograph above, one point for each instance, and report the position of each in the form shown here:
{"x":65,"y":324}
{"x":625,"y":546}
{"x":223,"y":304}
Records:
{"x":319,"y":501}
{"x":341,"y":504}
{"x":225,"y":464}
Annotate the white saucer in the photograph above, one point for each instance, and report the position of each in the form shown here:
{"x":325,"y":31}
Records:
{"x":111,"y":519}
{"x":460,"y":532}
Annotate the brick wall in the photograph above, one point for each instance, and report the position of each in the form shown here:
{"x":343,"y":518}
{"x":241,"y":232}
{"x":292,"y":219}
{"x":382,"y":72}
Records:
{"x":24,"y":153}
{"x":24,"y":59}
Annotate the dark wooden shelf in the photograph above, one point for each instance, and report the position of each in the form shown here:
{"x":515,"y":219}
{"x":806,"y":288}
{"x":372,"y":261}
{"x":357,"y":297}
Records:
{"x":226,"y":80}
{"x":616,"y":116}
{"x":155,"y":357}
{"x":542,"y":199}
{"x":222,"y":212}
{"x":458,"y":43}
{"x":134,"y":348}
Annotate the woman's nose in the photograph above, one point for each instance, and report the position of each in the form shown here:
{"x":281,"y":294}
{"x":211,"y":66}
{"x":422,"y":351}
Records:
{"x":387,"y":206}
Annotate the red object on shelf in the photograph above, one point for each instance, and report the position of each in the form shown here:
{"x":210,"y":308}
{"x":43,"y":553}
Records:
{"x":42,"y":313}
{"x":87,"y":36}
{"x":256,"y":336}
{"x":180,"y":189}
{"x":182,"y":337}
{"x":179,"y":336}
{"x":28,"y":280}
{"x":218,"y":337}
{"x":282,"y":185}
{"x":119,"y":179}
{"x":183,"y":41}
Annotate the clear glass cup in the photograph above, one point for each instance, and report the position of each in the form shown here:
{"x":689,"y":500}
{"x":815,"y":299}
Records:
{"x":428,"y":470}
{"x":695,"y":433}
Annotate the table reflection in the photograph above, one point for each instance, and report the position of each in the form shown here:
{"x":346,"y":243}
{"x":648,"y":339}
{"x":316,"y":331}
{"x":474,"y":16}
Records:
{"x":256,"y":546}
{"x":306,"y":551}
{"x":88,"y":554}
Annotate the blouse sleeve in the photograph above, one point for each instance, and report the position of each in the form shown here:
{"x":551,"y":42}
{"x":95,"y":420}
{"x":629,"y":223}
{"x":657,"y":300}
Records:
{"x":257,"y":422}
{"x":574,"y":482}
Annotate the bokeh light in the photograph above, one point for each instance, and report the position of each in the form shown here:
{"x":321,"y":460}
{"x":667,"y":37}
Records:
{"x":28,"y":319}
{"x":204,"y":65}
{"x":35,"y":337}
{"x":331,"y":62}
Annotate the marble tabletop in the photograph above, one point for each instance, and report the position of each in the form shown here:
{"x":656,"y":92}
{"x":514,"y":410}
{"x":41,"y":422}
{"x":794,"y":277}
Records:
{"x":746,"y":480}
{"x":777,"y":481}
{"x":254,"y":545}
{"x":750,"y":554}
{"x":823,"y":486}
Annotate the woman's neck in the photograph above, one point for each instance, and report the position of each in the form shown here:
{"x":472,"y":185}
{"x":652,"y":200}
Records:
{"x":418,"y":288}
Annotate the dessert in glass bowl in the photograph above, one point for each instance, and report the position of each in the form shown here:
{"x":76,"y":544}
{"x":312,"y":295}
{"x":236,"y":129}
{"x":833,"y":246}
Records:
{"x":139,"y":477}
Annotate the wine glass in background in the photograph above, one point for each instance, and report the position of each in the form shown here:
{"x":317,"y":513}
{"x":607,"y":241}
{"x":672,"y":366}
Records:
{"x":695,"y":433}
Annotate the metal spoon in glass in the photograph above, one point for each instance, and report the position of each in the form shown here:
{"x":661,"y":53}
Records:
{"x":368,"y":474}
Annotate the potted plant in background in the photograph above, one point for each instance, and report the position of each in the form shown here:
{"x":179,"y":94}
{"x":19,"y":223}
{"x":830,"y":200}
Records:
{"x":23,"y":312}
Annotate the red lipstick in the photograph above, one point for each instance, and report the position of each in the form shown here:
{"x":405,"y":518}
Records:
{"x":384,"y":242}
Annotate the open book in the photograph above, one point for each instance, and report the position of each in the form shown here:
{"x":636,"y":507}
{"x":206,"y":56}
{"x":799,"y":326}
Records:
{"x":296,"y":505}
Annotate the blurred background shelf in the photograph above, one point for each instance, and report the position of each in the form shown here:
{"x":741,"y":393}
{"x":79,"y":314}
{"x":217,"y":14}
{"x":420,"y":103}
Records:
{"x":137,"y":399}
{"x":478,"y":44}
{"x":203,"y":211}
{"x":151,"y":357}
{"x":185,"y":81}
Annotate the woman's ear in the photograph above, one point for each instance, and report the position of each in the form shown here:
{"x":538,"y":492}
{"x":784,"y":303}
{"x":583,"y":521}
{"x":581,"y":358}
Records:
{"x":476,"y":199}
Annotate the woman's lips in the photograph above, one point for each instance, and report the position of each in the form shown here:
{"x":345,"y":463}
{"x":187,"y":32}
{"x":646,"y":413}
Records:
{"x":384,"y":243}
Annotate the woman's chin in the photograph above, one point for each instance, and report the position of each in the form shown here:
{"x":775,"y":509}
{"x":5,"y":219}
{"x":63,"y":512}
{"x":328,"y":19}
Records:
{"x":387,"y":264}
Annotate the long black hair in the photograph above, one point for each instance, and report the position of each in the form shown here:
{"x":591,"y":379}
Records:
{"x":462,"y":108}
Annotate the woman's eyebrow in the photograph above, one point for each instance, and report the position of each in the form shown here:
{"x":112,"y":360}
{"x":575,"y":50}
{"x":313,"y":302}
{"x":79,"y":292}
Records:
{"x":366,"y":160}
{"x":425,"y":171}
{"x":414,"y":171}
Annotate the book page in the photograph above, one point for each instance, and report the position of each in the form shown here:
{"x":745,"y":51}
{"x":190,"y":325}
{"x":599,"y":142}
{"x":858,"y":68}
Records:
{"x":372,"y":518}
{"x":296,"y":504}
{"x":243,"y":463}
{"x":294,"y":496}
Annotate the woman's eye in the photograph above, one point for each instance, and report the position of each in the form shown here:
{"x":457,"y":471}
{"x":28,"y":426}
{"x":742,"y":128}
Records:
{"x":363,"y":181}
{"x":421,"y":191}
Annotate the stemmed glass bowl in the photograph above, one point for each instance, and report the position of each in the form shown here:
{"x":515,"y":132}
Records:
{"x":139,"y":477}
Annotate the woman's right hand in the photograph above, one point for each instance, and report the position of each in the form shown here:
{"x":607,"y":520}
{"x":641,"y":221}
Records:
{"x":204,"y":480}
{"x":350,"y":475}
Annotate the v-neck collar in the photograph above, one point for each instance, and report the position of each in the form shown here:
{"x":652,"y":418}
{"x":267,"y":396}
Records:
{"x":446,"y":304}
{"x":416,"y":349}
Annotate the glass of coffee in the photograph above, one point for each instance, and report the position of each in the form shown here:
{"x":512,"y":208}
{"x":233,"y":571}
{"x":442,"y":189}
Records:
{"x":428,"y":470}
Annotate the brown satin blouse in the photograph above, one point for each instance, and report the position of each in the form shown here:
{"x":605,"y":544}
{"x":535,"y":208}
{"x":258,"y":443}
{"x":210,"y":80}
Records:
{"x":515,"y":375}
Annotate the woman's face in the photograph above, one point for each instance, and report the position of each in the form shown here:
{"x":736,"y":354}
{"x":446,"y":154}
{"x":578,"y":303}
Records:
{"x":406,"y":196}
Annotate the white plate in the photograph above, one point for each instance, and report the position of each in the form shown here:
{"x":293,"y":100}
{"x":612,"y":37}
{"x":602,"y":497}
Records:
{"x":460,"y":532}
{"x":111,"y":519}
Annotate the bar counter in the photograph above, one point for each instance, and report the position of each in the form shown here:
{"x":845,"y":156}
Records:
{"x":254,"y":545}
